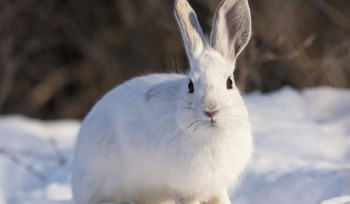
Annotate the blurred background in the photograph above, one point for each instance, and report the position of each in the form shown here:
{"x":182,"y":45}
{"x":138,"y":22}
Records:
{"x":58,"y":57}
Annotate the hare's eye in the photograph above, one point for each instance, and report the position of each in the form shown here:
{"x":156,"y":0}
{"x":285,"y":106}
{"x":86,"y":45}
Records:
{"x":229,"y":83}
{"x":190,"y":87}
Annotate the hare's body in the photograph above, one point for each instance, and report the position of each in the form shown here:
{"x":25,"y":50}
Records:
{"x":170,"y":137}
{"x":138,"y":158}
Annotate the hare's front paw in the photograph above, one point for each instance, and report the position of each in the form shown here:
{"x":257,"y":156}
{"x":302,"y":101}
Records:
{"x":222,"y":198}
{"x":187,"y":201}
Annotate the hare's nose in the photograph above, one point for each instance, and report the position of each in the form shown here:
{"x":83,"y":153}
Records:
{"x":211,"y":114}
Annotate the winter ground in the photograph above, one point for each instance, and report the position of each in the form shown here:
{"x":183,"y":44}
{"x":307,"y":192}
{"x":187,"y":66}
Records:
{"x":302,"y":153}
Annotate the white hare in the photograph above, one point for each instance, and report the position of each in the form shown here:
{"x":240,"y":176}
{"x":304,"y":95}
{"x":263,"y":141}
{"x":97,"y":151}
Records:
{"x":172,"y":137}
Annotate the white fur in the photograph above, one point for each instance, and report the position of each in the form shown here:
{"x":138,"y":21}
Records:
{"x":148,"y":140}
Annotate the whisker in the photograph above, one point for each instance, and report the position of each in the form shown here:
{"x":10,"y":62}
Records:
{"x":253,"y":129}
{"x":193,"y":115}
{"x":184,"y":99}
{"x":194,"y":130}
{"x":234,"y":115}
{"x":179,"y":107}
{"x":172,"y":139}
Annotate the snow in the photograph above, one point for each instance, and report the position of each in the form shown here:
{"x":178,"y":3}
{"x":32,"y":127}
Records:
{"x":342,"y":199}
{"x":302,"y":152}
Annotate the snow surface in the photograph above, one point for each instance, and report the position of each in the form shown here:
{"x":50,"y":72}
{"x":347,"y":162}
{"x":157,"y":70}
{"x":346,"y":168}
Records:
{"x":302,"y":152}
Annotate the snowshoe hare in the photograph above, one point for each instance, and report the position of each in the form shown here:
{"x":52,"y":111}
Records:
{"x":172,"y":137}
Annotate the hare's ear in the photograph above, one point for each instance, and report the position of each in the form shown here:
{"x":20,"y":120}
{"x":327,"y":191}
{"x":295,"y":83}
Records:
{"x":191,"y":31}
{"x":231,"y":28}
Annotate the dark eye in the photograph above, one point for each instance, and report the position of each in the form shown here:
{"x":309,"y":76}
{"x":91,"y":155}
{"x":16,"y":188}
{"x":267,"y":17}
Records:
{"x":229,"y":83}
{"x":190,"y":87}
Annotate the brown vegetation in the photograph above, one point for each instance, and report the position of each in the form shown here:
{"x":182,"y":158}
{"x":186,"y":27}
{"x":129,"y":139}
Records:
{"x":58,"y":57}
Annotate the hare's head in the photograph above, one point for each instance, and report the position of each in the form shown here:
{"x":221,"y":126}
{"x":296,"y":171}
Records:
{"x":212,"y":98}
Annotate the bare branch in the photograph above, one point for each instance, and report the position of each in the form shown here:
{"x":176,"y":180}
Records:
{"x":29,"y":168}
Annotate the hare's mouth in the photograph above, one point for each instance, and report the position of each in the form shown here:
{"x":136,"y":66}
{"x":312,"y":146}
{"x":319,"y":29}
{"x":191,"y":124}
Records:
{"x":212,"y":123}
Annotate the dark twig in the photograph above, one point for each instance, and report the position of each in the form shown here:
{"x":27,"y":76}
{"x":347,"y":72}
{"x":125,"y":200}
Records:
{"x":29,"y":168}
{"x":30,"y":154}
{"x":58,"y":152}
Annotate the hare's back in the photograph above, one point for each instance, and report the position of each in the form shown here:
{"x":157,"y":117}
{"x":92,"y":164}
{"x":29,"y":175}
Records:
{"x":138,"y":94}
{"x":142,"y":89}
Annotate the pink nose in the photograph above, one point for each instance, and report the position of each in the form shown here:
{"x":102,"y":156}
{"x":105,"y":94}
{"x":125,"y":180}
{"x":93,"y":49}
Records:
{"x":211,"y":114}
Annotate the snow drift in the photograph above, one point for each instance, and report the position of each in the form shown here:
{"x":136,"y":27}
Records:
{"x":302,"y":152}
